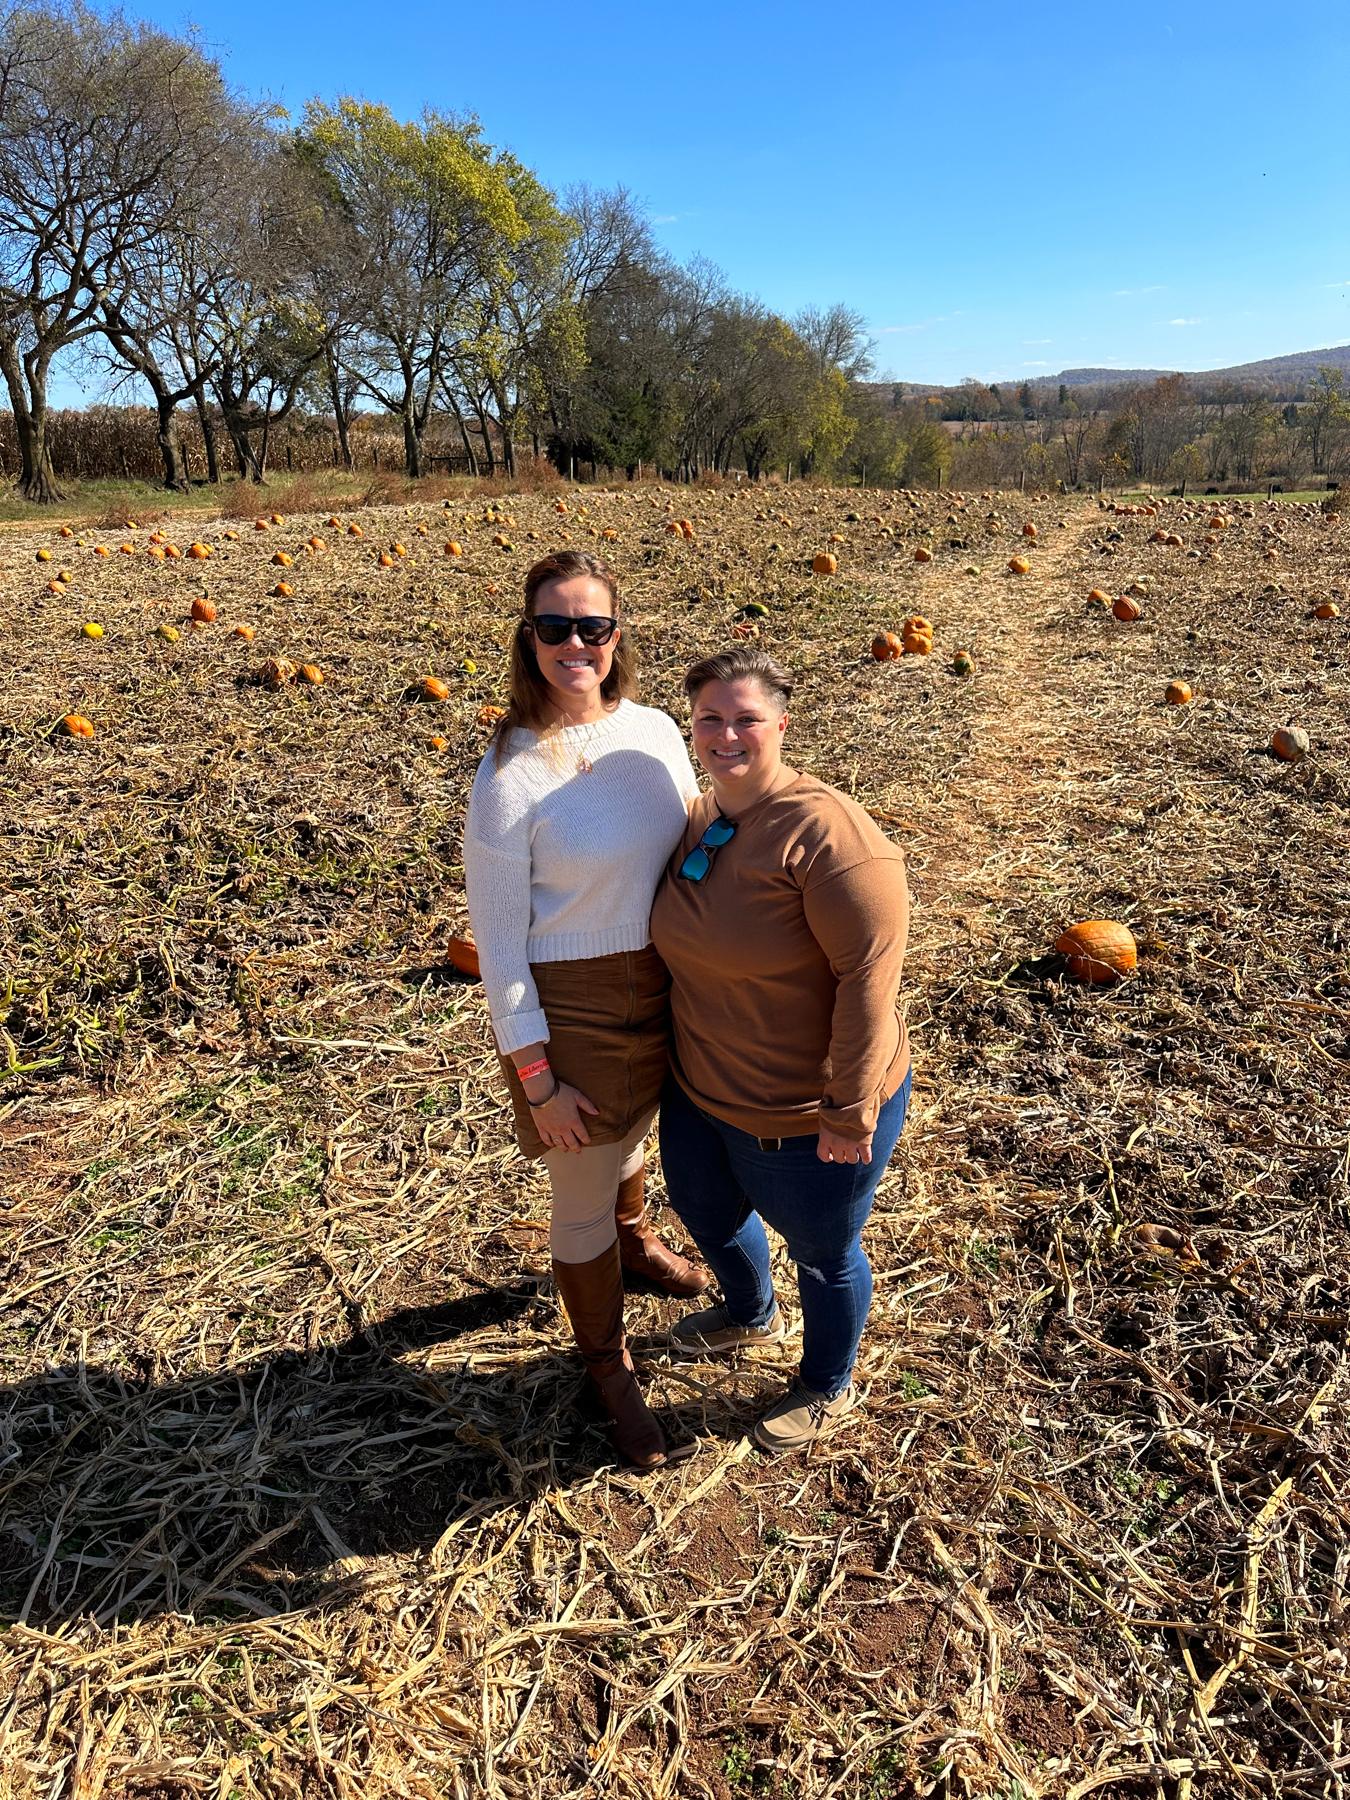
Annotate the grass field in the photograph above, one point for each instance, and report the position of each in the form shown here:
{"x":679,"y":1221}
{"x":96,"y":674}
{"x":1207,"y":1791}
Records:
{"x":299,"y":1495}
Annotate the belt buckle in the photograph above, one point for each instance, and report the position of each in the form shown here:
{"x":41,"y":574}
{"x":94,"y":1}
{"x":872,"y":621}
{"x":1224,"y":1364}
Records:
{"x":770,"y":1143}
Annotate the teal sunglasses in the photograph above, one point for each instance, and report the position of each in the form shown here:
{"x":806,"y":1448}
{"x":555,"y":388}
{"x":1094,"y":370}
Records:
{"x":700,"y":859}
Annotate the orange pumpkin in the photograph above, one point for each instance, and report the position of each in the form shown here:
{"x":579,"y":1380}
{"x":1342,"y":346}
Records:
{"x":1029,"y":530}
{"x":310,"y":672}
{"x":282,"y":560}
{"x":1290,"y":743}
{"x":917,"y":643}
{"x":284,"y":591}
{"x":431,"y":687}
{"x":462,"y":954}
{"x":887,"y":646}
{"x":1179,"y":693}
{"x":199,"y":551}
{"x":454,"y":549}
{"x":1127,"y":610}
{"x":1098,"y":950}
{"x":490,"y":715}
{"x":1327,"y":609}
{"x":824,"y":564}
{"x":923,"y":554}
{"x":387,"y":561}
{"x":1099,"y":597}
{"x":76,"y":725}
{"x":243,"y":631}
{"x":203,"y":609}
{"x":1019,"y":565}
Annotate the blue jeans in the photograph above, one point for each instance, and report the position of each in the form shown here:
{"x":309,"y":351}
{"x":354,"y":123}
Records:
{"x":725,"y":1188}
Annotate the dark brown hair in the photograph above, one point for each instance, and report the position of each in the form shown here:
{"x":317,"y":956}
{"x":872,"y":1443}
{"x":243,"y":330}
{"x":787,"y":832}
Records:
{"x":741,"y":664}
{"x":529,"y":702}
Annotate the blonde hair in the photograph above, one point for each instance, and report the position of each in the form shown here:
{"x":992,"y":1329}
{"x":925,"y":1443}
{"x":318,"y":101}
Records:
{"x":529,"y":696}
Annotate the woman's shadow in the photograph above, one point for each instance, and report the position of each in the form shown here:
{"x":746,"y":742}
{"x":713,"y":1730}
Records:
{"x":242,"y":1493}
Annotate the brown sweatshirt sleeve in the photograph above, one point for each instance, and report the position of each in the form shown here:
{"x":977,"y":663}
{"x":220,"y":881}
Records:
{"x":860,"y":918}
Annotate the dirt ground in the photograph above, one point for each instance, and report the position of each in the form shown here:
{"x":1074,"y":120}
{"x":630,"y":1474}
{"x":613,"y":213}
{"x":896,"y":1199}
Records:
{"x":299,"y":1492}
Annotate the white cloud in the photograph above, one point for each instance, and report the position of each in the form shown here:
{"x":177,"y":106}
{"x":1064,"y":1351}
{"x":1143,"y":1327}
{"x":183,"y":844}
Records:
{"x":1035,"y":365}
{"x":1337,"y":284}
{"x":1028,"y":342}
{"x":1129,"y":293}
{"x":1185,"y":321}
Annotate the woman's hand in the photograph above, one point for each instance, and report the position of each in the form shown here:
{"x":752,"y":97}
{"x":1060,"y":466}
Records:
{"x":558,"y":1121}
{"x":830,"y":1147}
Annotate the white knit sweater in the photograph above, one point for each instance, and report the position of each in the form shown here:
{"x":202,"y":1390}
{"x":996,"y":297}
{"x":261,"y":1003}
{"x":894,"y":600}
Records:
{"x":561,"y":865}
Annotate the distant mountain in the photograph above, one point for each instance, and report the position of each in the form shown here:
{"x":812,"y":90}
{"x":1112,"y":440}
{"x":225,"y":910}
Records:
{"x":1283,"y":376}
{"x":1278,"y":372}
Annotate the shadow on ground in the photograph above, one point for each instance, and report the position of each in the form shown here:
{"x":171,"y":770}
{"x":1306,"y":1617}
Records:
{"x":236,"y":1494}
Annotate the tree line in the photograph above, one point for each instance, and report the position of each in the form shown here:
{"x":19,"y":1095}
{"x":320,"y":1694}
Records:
{"x":246,"y":267}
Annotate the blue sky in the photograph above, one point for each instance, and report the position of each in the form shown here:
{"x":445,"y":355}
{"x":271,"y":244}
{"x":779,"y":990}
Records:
{"x":1001,"y":191}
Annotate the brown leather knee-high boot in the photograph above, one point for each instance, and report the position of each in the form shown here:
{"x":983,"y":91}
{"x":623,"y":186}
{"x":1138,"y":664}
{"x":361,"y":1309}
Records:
{"x":592,"y":1292}
{"x":642,"y":1252}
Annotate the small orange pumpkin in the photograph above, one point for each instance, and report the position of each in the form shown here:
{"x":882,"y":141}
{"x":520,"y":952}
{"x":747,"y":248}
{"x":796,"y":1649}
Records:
{"x":887,"y":646}
{"x":76,"y":725}
{"x":1019,"y":565}
{"x":431,"y":687}
{"x":462,"y":954}
{"x":1290,"y":743}
{"x":824,"y":564}
{"x":310,"y":672}
{"x":1179,"y":693}
{"x":203,"y":609}
{"x":1126,"y":609}
{"x":454,"y":549}
{"x":923,"y":554}
{"x":244,"y":631}
{"x":1327,"y":609}
{"x":1098,"y":950}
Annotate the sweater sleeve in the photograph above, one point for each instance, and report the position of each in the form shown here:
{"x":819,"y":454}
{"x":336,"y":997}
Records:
{"x":497,"y":886}
{"x":860,"y":918}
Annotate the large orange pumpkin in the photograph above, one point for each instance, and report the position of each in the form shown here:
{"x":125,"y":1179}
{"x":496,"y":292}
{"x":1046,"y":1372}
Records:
{"x":462,"y":954}
{"x":824,"y":564}
{"x":887,"y":646}
{"x":1127,"y":609}
{"x":203,"y":610}
{"x":1098,"y":950}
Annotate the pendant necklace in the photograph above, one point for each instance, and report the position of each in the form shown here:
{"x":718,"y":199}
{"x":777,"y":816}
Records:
{"x":584,"y":762}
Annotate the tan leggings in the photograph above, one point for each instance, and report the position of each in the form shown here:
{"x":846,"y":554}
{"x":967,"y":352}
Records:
{"x":585,"y":1187}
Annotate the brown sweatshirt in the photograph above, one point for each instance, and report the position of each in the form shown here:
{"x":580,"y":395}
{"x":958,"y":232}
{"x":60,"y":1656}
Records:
{"x":785,"y":963}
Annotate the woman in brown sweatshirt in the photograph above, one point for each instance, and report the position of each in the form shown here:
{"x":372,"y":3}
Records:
{"x":782,"y":918}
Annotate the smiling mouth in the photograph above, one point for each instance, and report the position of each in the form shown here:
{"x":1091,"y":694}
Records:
{"x":577,"y":662}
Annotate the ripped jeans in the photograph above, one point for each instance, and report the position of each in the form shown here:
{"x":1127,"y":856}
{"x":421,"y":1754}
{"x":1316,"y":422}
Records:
{"x":726,"y":1187}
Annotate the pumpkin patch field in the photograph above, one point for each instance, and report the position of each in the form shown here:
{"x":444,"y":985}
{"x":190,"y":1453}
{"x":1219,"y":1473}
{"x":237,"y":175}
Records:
{"x":297,"y":1493}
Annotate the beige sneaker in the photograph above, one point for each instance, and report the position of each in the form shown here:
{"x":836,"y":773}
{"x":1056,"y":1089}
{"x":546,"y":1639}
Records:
{"x":713,"y":1332}
{"x":801,"y":1416}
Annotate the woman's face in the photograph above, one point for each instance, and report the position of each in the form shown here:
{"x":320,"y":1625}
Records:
{"x":573,"y":668}
{"x":738,"y":732}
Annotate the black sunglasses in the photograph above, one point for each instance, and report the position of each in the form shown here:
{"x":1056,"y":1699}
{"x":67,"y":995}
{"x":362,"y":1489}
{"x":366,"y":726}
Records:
{"x":556,"y":628}
{"x":700,"y":859}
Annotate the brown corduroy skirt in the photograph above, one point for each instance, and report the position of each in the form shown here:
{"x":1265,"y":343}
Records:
{"x":609,"y":1035}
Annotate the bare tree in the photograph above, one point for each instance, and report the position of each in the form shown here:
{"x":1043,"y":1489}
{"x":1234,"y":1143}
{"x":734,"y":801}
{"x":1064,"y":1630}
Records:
{"x":98,"y":130}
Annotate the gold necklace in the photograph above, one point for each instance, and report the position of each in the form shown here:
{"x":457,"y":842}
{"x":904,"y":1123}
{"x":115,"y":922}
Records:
{"x":584,"y":763}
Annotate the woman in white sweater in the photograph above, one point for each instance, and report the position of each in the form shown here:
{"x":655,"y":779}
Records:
{"x":573,"y":813}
